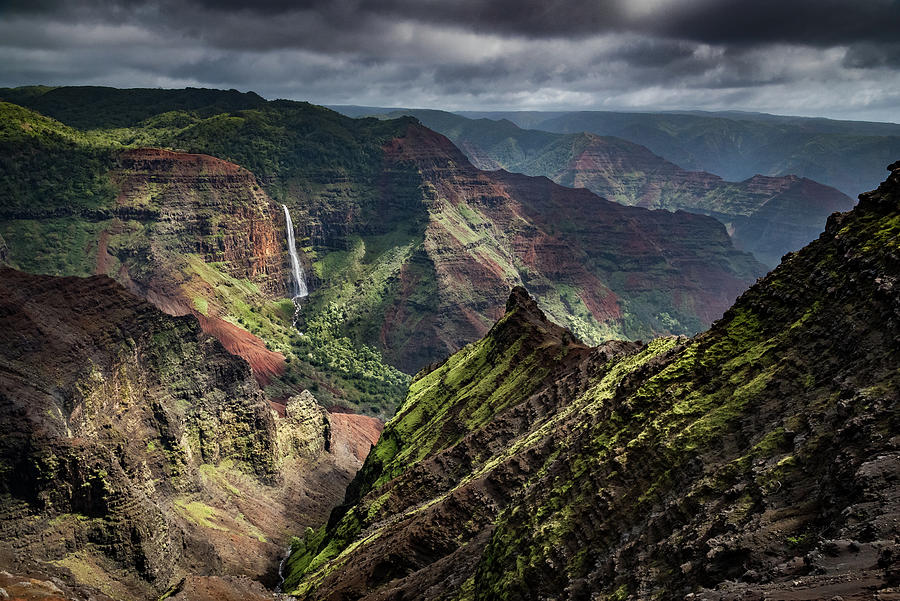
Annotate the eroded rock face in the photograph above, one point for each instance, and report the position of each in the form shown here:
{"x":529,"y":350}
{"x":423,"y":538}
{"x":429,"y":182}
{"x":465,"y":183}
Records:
{"x":204,"y":206}
{"x":304,"y":423}
{"x":176,"y":214}
{"x":137,"y":450}
{"x":756,"y":460}
{"x":600,"y":268}
{"x":768,"y":216}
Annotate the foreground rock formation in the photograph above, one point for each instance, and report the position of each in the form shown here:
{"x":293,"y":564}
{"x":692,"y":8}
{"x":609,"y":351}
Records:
{"x":757,"y":460}
{"x":138,"y":455}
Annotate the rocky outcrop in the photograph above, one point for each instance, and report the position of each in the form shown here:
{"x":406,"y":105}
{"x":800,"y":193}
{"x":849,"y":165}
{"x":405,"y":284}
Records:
{"x":208,"y":207}
{"x":138,"y":451}
{"x":756,"y":460}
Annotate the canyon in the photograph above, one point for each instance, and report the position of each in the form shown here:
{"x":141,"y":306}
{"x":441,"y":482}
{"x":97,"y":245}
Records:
{"x":393,"y":227}
{"x":139,"y":455}
{"x":617,"y":425}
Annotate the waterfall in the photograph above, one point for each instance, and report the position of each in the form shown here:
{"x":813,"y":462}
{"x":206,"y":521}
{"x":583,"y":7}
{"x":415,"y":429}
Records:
{"x":299,"y":278}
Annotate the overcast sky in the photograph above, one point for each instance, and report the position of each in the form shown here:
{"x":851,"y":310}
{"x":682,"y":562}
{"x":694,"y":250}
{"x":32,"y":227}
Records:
{"x":834,"y":58}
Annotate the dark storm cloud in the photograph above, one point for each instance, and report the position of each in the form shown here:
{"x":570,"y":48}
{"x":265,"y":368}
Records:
{"x":872,"y":56}
{"x":829,"y":57}
{"x":816,"y":22}
{"x":653,"y":52}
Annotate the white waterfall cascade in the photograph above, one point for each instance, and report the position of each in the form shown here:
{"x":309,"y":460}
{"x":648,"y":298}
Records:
{"x":299,"y":289}
{"x":287,"y":555}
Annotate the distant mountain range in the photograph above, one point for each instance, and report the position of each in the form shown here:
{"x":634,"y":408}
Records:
{"x":769,"y":216}
{"x":734,"y":145}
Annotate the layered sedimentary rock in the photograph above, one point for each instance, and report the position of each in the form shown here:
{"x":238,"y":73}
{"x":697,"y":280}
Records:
{"x":759,"y":459}
{"x":600,"y":268}
{"x":205,"y":206}
{"x":138,"y":453}
{"x":768,"y":216}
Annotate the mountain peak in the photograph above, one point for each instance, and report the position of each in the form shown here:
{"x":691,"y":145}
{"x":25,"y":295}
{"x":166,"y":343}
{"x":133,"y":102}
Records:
{"x":520,"y":299}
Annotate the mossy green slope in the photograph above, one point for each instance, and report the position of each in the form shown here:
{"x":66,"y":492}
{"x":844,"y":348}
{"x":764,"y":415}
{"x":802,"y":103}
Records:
{"x":676,"y":468}
{"x":520,"y":354}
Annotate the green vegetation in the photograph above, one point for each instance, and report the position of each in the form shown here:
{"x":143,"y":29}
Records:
{"x":60,"y":202}
{"x":53,"y":246}
{"x":849,"y":155}
{"x":94,"y":107}
{"x":661,"y":449}
{"x":47,"y":168}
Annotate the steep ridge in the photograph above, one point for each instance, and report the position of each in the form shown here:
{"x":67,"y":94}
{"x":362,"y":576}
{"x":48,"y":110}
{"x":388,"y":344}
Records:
{"x":759,"y":459}
{"x":138,"y":454}
{"x":768,"y":216}
{"x":595,"y":266}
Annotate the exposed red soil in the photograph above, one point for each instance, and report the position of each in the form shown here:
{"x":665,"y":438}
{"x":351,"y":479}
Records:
{"x":238,"y":341}
{"x":354,"y":434}
{"x":184,"y":162}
